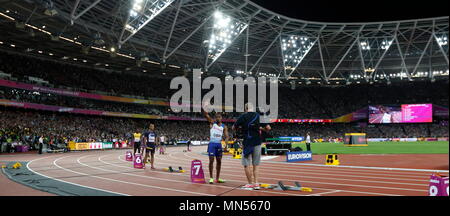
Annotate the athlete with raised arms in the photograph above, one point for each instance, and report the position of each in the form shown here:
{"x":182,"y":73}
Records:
{"x":218,"y":131}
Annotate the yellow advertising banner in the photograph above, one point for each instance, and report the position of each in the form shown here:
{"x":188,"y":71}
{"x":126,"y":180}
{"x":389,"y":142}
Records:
{"x":72,"y":145}
{"x":81,"y":146}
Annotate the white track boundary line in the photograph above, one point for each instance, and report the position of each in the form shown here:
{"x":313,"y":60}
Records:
{"x":353,"y":185}
{"x":330,"y":192}
{"x":330,"y":172}
{"x":277,"y":179}
{"x":132,"y":183}
{"x":164,"y":179}
{"x":349,"y":191}
{"x":367,"y":186}
{"x":358,"y":180}
{"x":28,"y":167}
{"x":344,"y":166}
{"x":366,"y":167}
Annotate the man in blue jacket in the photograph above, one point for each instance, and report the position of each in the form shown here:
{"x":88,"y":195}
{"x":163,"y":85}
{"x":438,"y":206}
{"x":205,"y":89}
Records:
{"x":248,"y":125}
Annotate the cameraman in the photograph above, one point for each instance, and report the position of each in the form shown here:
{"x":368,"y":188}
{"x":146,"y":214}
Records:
{"x":248,"y":125}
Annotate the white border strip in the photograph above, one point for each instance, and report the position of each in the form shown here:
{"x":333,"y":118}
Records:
{"x":28,"y":167}
{"x":363,"y":167}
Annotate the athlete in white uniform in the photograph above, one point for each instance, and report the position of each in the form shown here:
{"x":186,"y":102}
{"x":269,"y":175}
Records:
{"x":162,"y":147}
{"x":217,"y":131}
{"x":386,"y":118}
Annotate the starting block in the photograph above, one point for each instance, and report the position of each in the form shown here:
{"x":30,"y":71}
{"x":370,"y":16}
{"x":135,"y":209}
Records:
{"x":170,"y":169}
{"x":237,"y":154}
{"x":229,"y":151}
{"x":281,"y":187}
{"x":332,"y":160}
{"x":3,"y":166}
{"x":17,"y":165}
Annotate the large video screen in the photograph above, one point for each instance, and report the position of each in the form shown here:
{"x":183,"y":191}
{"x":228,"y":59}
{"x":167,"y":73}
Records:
{"x":405,"y":113}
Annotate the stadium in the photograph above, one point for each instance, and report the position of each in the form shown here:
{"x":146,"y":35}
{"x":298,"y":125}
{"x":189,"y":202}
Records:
{"x":87,"y":88}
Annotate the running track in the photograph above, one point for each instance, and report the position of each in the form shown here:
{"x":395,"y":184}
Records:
{"x":108,"y":171}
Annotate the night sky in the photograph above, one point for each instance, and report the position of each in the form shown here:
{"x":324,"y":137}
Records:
{"x":357,"y":11}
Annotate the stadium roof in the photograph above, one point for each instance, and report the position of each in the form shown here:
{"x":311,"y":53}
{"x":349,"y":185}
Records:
{"x":225,"y":37}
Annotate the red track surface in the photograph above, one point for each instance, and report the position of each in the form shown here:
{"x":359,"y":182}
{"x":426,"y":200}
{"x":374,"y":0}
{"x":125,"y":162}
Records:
{"x":107,"y":170}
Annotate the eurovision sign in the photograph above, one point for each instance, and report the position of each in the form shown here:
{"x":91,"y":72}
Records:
{"x":298,"y":156}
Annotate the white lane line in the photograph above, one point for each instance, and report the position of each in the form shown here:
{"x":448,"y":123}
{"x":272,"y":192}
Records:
{"x":329,"y":192}
{"x":328,"y":172}
{"x":352,"y":185}
{"x":337,"y":168}
{"x":132,"y":183}
{"x":277,"y":179}
{"x":345,"y":179}
{"x":93,"y":188}
{"x":268,"y":157}
{"x":366,"y":167}
{"x":164,"y":179}
{"x":357,"y":180}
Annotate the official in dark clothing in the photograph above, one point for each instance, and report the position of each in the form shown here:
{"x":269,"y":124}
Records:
{"x":249,"y":128}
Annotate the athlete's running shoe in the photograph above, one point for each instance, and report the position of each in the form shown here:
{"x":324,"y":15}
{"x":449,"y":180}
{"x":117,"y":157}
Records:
{"x":211,"y":181}
{"x":220,"y":181}
{"x":249,"y":187}
{"x":256,"y":186}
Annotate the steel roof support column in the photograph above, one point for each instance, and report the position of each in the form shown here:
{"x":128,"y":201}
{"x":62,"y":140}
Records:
{"x":73,"y":18}
{"x":72,"y":14}
{"x":264,"y":53}
{"x":402,"y":57}
{"x":381,"y":59}
{"x":246,"y":48}
{"x":363,"y":64}
{"x":423,"y":53}
{"x":440,"y":47}
{"x":342,"y":59}
{"x":171,"y":31}
{"x":321,"y":59}
{"x":189,"y":36}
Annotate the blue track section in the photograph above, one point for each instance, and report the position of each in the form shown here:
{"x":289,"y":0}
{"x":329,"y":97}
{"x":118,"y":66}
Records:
{"x":26,"y":177}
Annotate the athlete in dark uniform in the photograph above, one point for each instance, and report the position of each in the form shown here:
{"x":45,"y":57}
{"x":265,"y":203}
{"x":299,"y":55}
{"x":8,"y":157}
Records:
{"x":151,"y":140}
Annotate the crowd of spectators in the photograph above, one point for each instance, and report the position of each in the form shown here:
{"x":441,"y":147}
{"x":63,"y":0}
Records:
{"x":25,"y":127}
{"x":302,"y":102}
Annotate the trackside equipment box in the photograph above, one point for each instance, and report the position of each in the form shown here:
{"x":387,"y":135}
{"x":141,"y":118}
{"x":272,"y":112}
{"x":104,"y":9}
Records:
{"x":355,"y":139}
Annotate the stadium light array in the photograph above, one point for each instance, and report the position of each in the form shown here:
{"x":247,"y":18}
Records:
{"x":294,"y":49}
{"x":239,"y":72}
{"x":380,"y":76}
{"x":373,"y":50}
{"x":142,"y":12}
{"x":355,"y":76}
{"x":442,"y":40}
{"x":225,"y":30}
{"x":386,"y":44}
{"x":262,"y":74}
{"x":364,"y":45}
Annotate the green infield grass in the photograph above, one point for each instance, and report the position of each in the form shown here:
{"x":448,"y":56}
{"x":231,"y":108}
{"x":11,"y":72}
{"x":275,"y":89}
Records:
{"x":438,"y":147}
